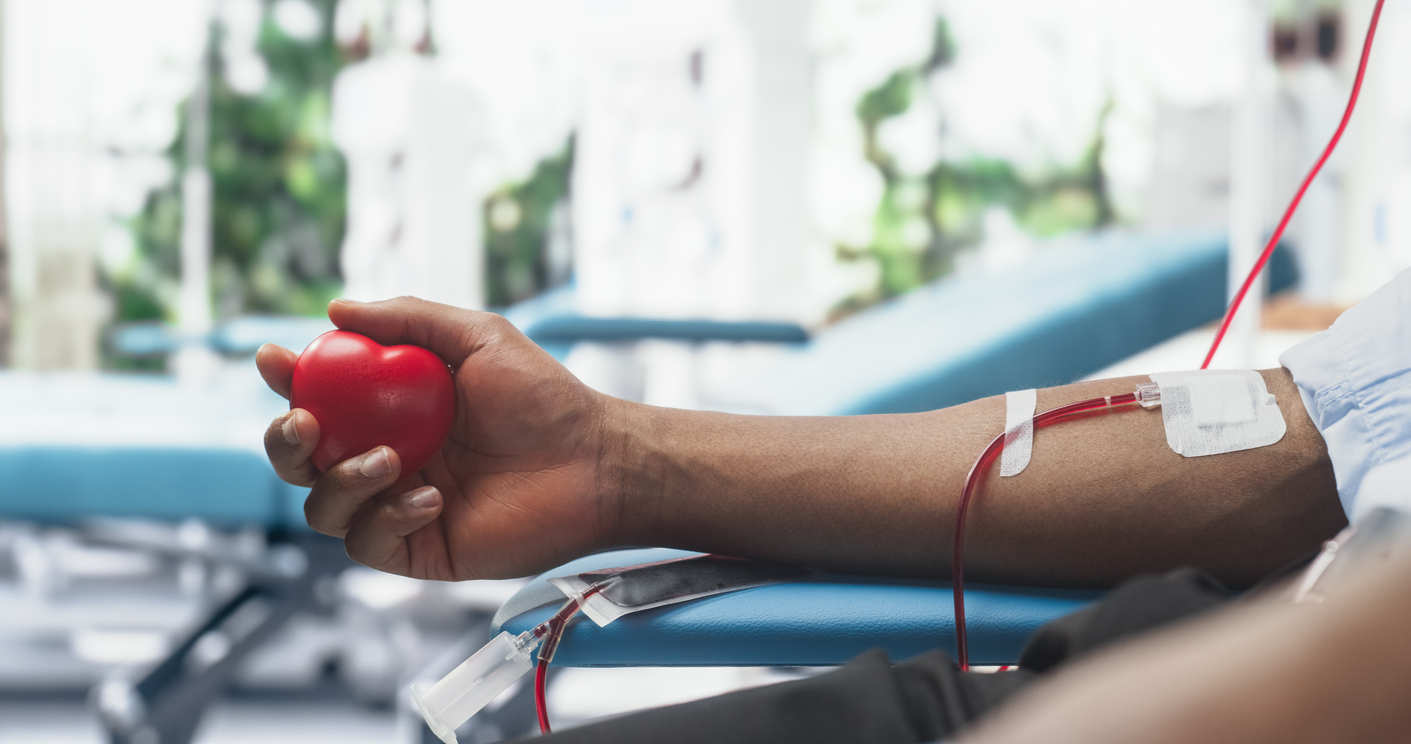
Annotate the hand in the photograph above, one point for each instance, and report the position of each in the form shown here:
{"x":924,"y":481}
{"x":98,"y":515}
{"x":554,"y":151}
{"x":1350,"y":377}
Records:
{"x":514,"y":489}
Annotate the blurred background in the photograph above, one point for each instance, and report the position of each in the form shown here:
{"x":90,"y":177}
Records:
{"x":790,"y":206}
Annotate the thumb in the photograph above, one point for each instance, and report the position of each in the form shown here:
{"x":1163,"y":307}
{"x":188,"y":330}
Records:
{"x":451,"y":333}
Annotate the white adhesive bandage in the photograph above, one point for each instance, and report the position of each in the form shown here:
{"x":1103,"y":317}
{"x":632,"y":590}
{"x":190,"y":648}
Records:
{"x":1211,"y":412}
{"x":1019,"y":407}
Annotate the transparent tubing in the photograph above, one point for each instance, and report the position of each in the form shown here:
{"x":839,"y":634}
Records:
{"x":472,"y":685}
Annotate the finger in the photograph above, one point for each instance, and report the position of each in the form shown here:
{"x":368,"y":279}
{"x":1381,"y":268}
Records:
{"x":290,"y":441}
{"x":347,"y":487}
{"x":378,"y":537}
{"x":276,"y":365}
{"x":451,"y":333}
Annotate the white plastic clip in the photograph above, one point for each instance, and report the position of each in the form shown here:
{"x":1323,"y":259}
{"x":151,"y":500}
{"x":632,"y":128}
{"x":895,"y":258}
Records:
{"x":472,"y":685}
{"x":1148,"y":394}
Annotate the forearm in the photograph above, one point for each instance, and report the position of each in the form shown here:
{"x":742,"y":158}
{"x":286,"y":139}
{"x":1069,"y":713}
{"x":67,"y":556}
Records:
{"x":1103,"y":496}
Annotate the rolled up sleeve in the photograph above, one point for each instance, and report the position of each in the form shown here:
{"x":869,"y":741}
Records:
{"x":1355,"y":381}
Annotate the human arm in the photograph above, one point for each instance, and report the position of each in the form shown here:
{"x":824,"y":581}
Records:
{"x":540,"y":469}
{"x":1102,"y":497}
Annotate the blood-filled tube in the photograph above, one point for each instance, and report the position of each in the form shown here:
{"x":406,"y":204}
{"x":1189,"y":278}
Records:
{"x":972,"y":481}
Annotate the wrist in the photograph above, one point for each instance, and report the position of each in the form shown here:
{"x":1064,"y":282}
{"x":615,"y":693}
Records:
{"x":628,"y":487}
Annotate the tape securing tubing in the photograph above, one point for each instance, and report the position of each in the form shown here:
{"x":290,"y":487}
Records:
{"x":1019,"y":407}
{"x":1211,"y":412}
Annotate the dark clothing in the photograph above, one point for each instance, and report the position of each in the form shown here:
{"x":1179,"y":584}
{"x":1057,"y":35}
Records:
{"x":919,"y":700}
{"x":1138,"y":605}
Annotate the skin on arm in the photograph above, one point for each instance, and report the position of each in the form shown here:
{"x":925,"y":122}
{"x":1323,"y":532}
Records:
{"x":1103,"y":496}
{"x":540,"y":469}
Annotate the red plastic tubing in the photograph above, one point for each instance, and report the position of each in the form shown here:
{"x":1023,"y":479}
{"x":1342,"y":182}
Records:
{"x":972,"y":482}
{"x":552,"y":631}
{"x":1298,"y":197}
{"x":540,"y":705}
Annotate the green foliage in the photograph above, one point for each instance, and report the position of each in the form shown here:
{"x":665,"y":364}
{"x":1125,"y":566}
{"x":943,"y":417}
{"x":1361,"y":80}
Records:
{"x":942,"y":47}
{"x":923,"y":221}
{"x":518,"y":226}
{"x":279,"y":191}
{"x":891,"y":98}
{"x":280,"y":198}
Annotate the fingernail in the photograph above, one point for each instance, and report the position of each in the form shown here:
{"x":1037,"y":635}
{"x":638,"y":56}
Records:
{"x":346,"y":301}
{"x":376,"y":464}
{"x":289,"y":430}
{"x":422,"y":497}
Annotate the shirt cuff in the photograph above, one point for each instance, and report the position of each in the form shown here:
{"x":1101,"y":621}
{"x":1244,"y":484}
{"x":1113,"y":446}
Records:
{"x":1355,"y":382}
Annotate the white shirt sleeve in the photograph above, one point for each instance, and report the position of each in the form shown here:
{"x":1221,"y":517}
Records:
{"x":1355,"y":381}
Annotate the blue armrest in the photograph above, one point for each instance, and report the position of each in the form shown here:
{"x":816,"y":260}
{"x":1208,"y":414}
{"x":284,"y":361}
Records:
{"x":146,"y":338}
{"x":551,"y":318}
{"x":238,"y":336}
{"x":246,"y":334}
{"x":819,"y":622}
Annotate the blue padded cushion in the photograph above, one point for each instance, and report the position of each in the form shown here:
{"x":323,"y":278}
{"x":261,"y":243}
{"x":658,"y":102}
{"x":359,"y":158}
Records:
{"x":1076,"y":306}
{"x":820,"y":622}
{"x":65,"y":484}
{"x":551,"y":318}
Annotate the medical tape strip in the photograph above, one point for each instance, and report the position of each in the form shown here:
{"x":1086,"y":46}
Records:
{"x":1211,"y":412}
{"x":1019,"y":407}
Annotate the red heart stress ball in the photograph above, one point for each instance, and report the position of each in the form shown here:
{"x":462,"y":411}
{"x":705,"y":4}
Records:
{"x":364,"y":394}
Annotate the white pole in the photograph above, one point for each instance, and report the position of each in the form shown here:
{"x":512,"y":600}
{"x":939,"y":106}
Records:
{"x":58,"y":311}
{"x":194,"y":299}
{"x":4,"y":214}
{"x":1248,"y":163}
